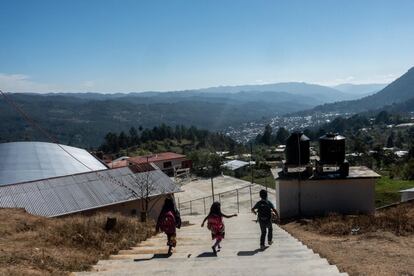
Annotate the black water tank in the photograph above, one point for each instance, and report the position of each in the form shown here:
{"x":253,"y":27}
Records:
{"x":332,"y":149}
{"x":297,"y":149}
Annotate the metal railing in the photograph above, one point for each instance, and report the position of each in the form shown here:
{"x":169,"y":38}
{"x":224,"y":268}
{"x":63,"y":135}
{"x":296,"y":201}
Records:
{"x":231,"y":200}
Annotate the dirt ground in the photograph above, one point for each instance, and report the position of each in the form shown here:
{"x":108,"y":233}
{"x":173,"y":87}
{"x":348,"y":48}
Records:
{"x":372,"y":253}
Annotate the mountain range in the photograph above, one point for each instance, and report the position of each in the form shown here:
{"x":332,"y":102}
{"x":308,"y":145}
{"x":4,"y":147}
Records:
{"x":399,"y":92}
{"x":82,"y":119}
{"x":360,"y":89}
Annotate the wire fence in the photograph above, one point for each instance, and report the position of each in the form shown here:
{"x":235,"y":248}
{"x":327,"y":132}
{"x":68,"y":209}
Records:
{"x":232,"y":201}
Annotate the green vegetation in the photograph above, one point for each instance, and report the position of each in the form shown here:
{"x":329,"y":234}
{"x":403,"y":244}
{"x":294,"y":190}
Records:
{"x":165,"y":138}
{"x":267,"y":181}
{"x":83,"y":120}
{"x":387,"y":190}
{"x":205,"y":163}
{"x":268,"y":138}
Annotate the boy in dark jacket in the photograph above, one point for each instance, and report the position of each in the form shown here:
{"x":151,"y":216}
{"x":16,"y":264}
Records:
{"x":263,"y":209}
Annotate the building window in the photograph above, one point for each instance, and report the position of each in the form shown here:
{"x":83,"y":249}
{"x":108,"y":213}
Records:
{"x":167,"y":164}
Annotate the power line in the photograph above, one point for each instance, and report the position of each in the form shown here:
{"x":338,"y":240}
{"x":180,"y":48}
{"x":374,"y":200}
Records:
{"x":27,"y":118}
{"x":54,"y":140}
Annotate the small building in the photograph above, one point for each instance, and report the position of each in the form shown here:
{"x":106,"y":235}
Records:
{"x":238,"y":167}
{"x":121,"y":190}
{"x":52,"y":180}
{"x":407,"y":195}
{"x":168,"y":162}
{"x":119,"y":162}
{"x":299,"y":193}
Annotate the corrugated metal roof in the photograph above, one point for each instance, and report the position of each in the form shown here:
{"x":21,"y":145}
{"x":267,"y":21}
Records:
{"x":73,"y":193}
{"x":27,"y":161}
{"x":235,"y":164}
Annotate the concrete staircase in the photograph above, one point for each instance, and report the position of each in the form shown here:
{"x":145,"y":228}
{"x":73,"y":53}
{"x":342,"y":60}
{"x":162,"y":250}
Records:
{"x":239,"y":254}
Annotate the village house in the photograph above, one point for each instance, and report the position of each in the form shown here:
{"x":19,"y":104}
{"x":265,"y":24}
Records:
{"x":54,"y":184}
{"x":168,"y":162}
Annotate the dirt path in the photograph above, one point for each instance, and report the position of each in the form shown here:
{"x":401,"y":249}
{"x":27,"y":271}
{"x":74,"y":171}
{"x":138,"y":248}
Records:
{"x":377,"y":253}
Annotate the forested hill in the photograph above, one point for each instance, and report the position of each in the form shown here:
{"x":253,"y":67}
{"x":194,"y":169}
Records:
{"x":399,"y":91}
{"x":84,"y":122}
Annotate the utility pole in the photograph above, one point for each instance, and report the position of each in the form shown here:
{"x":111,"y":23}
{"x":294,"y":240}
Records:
{"x":251,"y":164}
{"x":212,"y":184}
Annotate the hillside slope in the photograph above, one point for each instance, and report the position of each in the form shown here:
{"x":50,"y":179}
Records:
{"x":399,"y":91}
{"x":84,"y":122}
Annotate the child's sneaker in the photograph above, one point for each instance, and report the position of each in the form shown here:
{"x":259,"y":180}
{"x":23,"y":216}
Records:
{"x":262,"y":247}
{"x":270,"y":242}
{"x":214,"y":250}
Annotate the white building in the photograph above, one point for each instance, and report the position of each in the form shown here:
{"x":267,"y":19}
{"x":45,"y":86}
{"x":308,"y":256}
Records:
{"x":407,"y":195}
{"x":301,"y":195}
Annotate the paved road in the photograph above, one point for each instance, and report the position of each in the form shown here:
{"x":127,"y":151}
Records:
{"x":239,"y":255}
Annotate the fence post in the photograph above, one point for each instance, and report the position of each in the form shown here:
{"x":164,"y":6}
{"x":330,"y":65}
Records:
{"x":251,"y":200}
{"x":238,"y":206}
{"x":191,"y":207}
{"x":204,"y":201}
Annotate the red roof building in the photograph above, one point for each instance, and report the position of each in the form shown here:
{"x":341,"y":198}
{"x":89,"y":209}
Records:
{"x":166,"y":161}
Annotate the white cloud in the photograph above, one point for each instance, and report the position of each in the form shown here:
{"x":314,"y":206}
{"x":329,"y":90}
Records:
{"x":88,"y":84}
{"x":23,"y":83}
{"x":387,"y":78}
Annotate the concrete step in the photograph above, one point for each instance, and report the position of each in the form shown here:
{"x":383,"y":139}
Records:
{"x":299,"y":254}
{"x":192,"y":256}
{"x":285,"y":254}
{"x":306,"y":268}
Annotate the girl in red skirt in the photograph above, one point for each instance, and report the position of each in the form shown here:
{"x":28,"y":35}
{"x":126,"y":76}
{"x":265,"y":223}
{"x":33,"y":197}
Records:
{"x":215,"y":225}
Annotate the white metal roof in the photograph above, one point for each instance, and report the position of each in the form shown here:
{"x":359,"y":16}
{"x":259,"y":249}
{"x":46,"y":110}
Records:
{"x":80,"y":192}
{"x":235,"y":164}
{"x":411,"y":190}
{"x":27,"y":161}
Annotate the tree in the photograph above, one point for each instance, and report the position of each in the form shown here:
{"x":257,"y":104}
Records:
{"x":146,"y":186}
{"x":382,"y":118}
{"x":408,"y":170}
{"x":267,"y":135}
{"x":282,"y":135}
{"x":390,"y":140}
{"x":123,"y":140}
{"x":133,"y":136}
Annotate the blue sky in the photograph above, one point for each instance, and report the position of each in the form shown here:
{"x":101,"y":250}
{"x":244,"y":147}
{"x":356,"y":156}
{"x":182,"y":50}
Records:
{"x":125,"y":46}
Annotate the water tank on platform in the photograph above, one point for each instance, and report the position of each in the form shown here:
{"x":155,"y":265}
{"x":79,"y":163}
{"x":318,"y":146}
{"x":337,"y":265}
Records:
{"x":332,"y":149}
{"x":297,"y":149}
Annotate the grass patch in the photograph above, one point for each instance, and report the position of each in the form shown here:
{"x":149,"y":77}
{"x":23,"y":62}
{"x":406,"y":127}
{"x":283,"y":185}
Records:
{"x":56,"y":246}
{"x":387,"y":190}
{"x":267,"y":181}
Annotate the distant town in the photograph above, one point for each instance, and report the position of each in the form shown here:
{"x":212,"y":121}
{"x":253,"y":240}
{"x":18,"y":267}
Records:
{"x":246,"y":132}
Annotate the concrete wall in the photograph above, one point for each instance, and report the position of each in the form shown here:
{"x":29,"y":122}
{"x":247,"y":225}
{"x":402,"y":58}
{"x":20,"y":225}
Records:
{"x":319,"y":197}
{"x":175,"y":163}
{"x":406,"y":196}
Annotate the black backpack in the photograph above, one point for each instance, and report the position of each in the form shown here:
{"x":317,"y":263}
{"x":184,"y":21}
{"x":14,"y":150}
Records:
{"x":264,"y":211}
